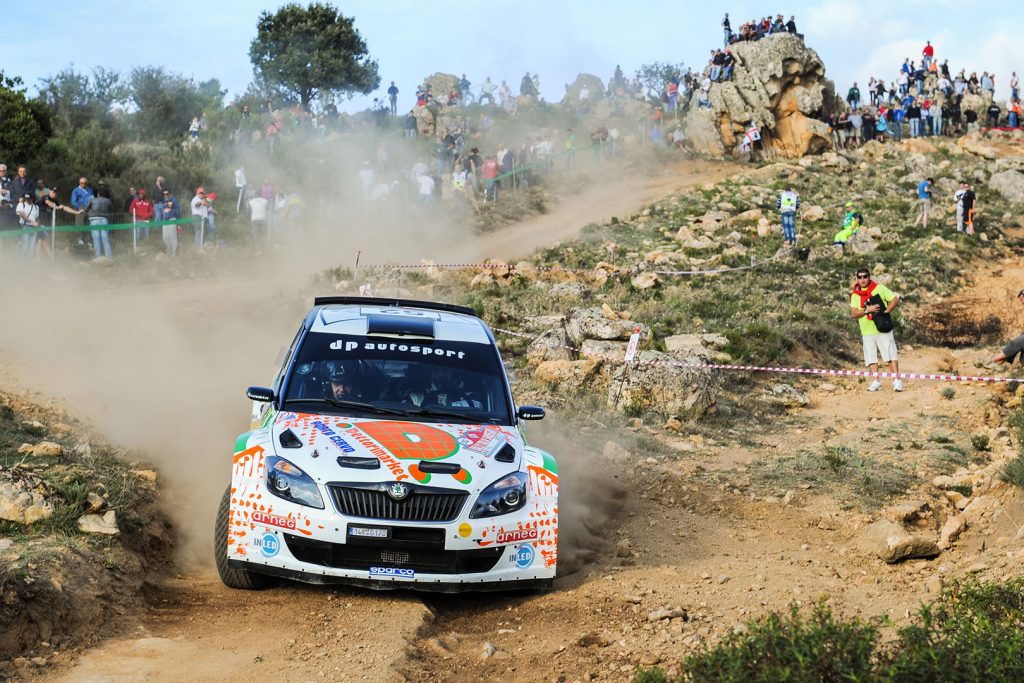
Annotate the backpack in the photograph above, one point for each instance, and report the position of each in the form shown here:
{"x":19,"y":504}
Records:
{"x":882,"y":320}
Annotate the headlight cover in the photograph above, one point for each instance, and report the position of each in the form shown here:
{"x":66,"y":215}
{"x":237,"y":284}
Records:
{"x":506,"y":495}
{"x":287,"y":481}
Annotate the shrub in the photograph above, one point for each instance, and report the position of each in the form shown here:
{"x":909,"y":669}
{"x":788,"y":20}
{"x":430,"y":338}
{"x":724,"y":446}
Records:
{"x":948,"y":393}
{"x":973,"y":632}
{"x":778,"y":647}
{"x":980,"y":442}
{"x":1013,"y":471}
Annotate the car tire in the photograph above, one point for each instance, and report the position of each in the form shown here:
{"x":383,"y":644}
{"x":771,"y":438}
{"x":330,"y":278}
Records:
{"x":232,"y":577}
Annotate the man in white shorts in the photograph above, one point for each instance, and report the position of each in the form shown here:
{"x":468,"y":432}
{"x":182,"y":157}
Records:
{"x":870,"y":303}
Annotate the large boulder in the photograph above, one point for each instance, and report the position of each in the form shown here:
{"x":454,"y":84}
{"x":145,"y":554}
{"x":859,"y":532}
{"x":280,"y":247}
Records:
{"x":591,"y":323}
{"x":779,"y":84}
{"x":892,"y":543}
{"x":1010,"y":184}
{"x":655,"y":383}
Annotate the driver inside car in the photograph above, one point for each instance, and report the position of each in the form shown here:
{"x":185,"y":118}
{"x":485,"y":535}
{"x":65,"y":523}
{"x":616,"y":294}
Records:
{"x":342,"y":382}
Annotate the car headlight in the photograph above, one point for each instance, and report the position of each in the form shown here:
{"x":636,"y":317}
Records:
{"x":287,"y":481}
{"x":506,"y":495}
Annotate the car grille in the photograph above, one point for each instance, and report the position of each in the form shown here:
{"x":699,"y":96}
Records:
{"x":422,"y":505}
{"x":428,"y":561}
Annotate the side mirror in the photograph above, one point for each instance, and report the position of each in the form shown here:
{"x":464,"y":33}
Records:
{"x":261,"y":394}
{"x":530,"y":413}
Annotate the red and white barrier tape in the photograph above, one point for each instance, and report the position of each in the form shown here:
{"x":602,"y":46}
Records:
{"x":795,"y":371}
{"x":511,"y":268}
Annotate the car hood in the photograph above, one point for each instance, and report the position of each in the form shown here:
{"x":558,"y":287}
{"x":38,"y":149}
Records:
{"x":341,"y":449}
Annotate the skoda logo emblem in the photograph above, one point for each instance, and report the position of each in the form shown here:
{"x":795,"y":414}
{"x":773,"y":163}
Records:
{"x":398,"y":491}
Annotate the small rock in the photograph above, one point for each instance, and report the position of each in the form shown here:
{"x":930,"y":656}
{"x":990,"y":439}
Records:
{"x":674,"y":425}
{"x":659,"y":614}
{"x":934,"y":584}
{"x":94,"y":502}
{"x":47,"y":449}
{"x":723,"y":579}
{"x":488,"y":651}
{"x":96,"y":524}
{"x":892,"y":543}
{"x":951,"y":531}
{"x":826,"y":387}
{"x":34,"y":427}
{"x":624,"y":548}
{"x":977,"y":568}
{"x":24,"y":448}
{"x":645,"y":281}
{"x":789,"y":497}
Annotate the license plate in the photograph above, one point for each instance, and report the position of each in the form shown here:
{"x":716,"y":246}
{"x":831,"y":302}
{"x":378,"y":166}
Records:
{"x":368,"y":532}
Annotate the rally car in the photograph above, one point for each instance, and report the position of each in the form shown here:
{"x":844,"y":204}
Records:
{"x":388,"y":453}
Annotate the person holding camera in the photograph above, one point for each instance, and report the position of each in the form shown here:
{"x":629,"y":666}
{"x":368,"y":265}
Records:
{"x":871,"y":304}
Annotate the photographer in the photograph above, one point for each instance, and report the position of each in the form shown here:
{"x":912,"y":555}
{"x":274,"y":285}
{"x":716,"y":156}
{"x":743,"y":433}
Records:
{"x":870,"y":305}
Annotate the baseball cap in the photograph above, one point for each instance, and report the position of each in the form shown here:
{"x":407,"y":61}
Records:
{"x":849,"y":204}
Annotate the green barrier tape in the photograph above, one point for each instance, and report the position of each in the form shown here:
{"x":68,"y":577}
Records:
{"x":548,"y":160}
{"x":86,"y":228}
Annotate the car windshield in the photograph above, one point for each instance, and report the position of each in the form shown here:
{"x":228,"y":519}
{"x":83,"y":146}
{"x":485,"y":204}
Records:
{"x":436,"y":381}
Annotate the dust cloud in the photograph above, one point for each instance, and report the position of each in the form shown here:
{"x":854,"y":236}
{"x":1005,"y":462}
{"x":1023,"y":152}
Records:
{"x":156,"y":353}
{"x":590,"y":495}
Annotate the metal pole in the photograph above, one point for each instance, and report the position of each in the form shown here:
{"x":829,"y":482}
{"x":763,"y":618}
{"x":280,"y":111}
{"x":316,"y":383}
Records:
{"x":53,"y":236}
{"x":135,"y":234}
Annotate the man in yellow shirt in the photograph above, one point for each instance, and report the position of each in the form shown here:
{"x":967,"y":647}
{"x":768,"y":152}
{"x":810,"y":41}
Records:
{"x":870,"y":304}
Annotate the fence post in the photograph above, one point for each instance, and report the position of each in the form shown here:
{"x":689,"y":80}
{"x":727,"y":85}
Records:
{"x":53,"y":236}
{"x":135,"y":234}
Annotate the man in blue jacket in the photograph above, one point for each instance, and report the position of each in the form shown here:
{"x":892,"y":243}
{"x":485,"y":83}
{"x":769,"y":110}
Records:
{"x":80,"y":197}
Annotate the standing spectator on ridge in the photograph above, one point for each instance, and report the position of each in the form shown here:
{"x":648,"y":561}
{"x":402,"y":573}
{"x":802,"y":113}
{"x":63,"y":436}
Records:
{"x":169,"y":210}
{"x":22,"y":184}
{"x":914,"y":116}
{"x":393,"y":98}
{"x":1015,"y":112}
{"x":993,"y":115}
{"x":241,"y":182}
{"x":28,"y":218}
{"x":142,"y":210}
{"x":5,"y":185}
{"x":853,"y":96}
{"x":726,"y":31}
{"x":80,"y":197}
{"x":410,"y":127}
{"x":487,"y":90}
{"x":1014,"y":87}
{"x":927,"y":54}
{"x":202,"y":229}
{"x":99,"y":209}
{"x":870,"y":304}
{"x":791,"y":26}
{"x":924,"y":201}
{"x":258,"y":211}
{"x":788,"y":203}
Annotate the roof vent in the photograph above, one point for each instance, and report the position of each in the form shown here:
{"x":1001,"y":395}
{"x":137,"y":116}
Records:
{"x":406,"y":326}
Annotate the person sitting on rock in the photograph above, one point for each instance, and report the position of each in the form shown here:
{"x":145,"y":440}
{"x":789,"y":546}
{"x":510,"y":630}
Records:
{"x":852,"y":222}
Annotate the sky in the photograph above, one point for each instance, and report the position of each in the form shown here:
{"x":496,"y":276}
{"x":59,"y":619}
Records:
{"x":504,"y":39}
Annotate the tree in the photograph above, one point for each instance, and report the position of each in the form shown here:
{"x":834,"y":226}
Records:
{"x":26,"y":123}
{"x":76,"y":99}
{"x":312,"y":50}
{"x":653,"y":77}
{"x":166,"y":102}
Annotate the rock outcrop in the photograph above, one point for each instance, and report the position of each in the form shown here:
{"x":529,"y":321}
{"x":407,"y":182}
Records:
{"x":778,"y":83}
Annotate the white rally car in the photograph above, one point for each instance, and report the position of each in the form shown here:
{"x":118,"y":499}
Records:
{"x":388,"y":453}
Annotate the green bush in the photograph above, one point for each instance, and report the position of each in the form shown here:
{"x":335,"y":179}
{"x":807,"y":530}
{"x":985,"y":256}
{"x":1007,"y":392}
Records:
{"x":780,"y":648}
{"x":1013,"y":471}
{"x":973,"y":632}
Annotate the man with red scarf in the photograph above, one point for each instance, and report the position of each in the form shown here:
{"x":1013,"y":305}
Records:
{"x":867,"y":300}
